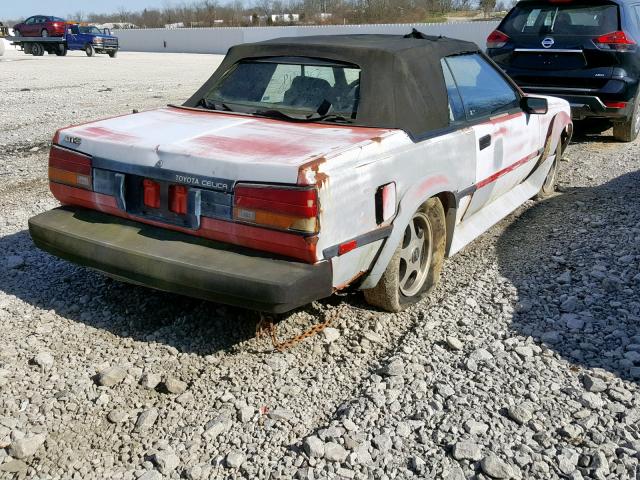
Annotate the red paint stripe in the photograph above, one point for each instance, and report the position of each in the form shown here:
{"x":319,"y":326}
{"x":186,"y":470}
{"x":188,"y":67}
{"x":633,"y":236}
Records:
{"x":504,"y":171}
{"x":497,"y":120}
{"x":262,"y":239}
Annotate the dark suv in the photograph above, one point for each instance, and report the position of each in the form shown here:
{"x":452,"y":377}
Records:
{"x":584,"y":51}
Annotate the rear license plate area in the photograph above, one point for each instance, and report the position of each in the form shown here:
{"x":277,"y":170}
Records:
{"x":548,"y":61}
{"x":162,"y":201}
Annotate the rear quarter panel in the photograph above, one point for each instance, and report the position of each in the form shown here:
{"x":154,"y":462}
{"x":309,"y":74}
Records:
{"x":348,"y":184}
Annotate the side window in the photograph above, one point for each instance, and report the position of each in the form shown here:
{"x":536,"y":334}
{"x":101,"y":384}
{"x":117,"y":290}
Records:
{"x":483,"y":89}
{"x":30,"y":20}
{"x":456,"y":109}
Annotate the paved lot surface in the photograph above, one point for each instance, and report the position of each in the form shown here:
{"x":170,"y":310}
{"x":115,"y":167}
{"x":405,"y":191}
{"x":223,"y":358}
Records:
{"x":524,"y":363}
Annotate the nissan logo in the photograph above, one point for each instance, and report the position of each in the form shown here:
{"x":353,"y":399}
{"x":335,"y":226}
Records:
{"x":548,"y":42}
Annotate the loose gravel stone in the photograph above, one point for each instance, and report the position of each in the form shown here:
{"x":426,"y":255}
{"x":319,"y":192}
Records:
{"x":234,"y":459}
{"x":166,"y":461}
{"x":313,"y":446}
{"x":150,"y":380}
{"x":175,"y":386}
{"x":217,"y":426}
{"x":26,"y":446}
{"x":466,"y":450}
{"x":117,"y":416}
{"x":335,"y":452}
{"x":44,"y":360}
{"x":454,"y":343}
{"x":496,"y":468}
{"x":520,"y":414}
{"x":331,"y":334}
{"x":593,"y":384}
{"x":111,"y":376}
{"x":146,"y":419}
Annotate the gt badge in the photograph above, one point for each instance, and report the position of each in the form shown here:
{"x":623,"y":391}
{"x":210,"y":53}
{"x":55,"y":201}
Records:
{"x":74,"y":140}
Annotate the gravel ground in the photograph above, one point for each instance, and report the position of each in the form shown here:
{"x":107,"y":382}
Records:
{"x":523,"y":364}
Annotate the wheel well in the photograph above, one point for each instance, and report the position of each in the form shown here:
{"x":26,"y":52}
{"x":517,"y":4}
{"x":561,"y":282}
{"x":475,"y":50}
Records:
{"x":565,"y":137}
{"x":450,"y":206}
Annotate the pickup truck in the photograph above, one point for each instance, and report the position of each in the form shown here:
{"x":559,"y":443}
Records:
{"x":89,"y":39}
{"x":304,"y":166}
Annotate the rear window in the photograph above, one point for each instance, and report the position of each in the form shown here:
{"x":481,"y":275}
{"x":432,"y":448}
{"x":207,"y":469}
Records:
{"x":299,"y":86}
{"x":565,"y":19}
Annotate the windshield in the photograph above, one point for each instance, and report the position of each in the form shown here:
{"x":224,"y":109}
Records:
{"x":568,"y":19}
{"x":91,"y":30}
{"x":298,"y":87}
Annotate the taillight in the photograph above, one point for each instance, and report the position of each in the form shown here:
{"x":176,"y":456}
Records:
{"x":151,"y":193}
{"x":616,"y":41}
{"x":497,"y":39}
{"x":178,"y":195}
{"x":277,"y":207}
{"x":615,"y":104}
{"x":69,"y":167}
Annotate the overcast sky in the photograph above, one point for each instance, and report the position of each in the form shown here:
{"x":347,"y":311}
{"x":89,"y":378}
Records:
{"x":59,"y":8}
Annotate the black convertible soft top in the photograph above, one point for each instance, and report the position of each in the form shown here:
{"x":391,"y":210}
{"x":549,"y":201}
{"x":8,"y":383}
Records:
{"x":401,"y":85}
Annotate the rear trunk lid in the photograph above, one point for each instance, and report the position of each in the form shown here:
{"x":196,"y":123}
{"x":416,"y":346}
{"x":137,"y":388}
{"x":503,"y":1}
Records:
{"x":212,"y":144}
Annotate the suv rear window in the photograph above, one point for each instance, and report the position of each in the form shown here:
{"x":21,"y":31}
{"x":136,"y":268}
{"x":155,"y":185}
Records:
{"x":566,"y":19}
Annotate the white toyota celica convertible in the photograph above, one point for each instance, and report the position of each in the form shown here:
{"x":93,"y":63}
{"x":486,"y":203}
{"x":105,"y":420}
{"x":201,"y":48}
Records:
{"x":304,"y":166}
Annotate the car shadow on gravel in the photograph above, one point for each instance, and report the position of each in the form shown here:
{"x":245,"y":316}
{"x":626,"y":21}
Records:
{"x":574,"y":259}
{"x":82,"y":295}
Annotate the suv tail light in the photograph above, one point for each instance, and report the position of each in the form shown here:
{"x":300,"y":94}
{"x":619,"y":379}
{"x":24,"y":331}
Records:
{"x":69,"y":167}
{"x":284,"y":208}
{"x":497,"y":39}
{"x":617,"y":41}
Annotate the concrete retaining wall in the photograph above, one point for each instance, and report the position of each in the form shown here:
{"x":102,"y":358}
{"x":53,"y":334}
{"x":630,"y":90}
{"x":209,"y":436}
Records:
{"x":218,"y":40}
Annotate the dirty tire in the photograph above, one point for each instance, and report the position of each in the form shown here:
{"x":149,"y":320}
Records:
{"x":549,"y":185}
{"x":61,"y":51}
{"x":113,"y":54}
{"x":628,"y":131}
{"x":392,"y":293}
{"x":89,"y":50}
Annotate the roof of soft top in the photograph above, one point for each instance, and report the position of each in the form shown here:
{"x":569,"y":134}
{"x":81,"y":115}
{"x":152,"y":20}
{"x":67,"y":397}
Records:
{"x":379,"y":42}
{"x":401,"y":84}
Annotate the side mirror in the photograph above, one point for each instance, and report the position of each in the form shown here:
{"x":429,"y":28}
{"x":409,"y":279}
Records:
{"x":69,"y":32}
{"x":534,"y":105}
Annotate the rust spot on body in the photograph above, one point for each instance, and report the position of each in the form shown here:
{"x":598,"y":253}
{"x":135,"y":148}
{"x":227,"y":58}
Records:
{"x":351,"y":281}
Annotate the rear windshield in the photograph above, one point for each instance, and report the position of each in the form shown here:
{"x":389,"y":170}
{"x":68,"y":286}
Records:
{"x":565,"y":19}
{"x":294,"y":86}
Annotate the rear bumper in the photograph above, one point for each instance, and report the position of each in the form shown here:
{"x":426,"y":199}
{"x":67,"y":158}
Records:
{"x":179,"y":263}
{"x":585,"y":106}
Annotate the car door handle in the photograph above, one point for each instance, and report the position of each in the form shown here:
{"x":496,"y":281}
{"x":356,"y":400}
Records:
{"x":484,"y":142}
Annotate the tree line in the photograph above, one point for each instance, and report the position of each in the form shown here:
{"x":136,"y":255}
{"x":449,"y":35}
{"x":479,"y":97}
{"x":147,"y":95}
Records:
{"x":211,"y":13}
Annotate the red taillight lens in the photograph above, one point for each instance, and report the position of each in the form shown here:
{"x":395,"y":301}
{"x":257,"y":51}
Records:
{"x":618,"y":41}
{"x":178,"y":199}
{"x":615,"y":104}
{"x":278,"y":207}
{"x":69,"y":167}
{"x":151,"y":192}
{"x":497,"y":39}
